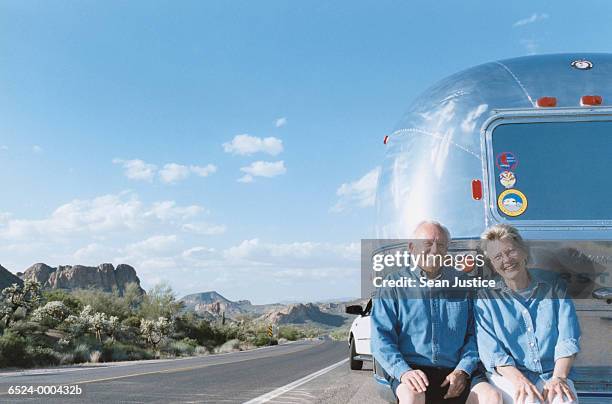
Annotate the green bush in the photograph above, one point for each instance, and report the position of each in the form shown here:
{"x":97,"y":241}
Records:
{"x":339,"y":334}
{"x":110,"y":304}
{"x":262,"y":340}
{"x":13,"y":351}
{"x":289,"y":333}
{"x":65,"y":297}
{"x":43,"y":356}
{"x":119,"y":351}
{"x":180,"y":348}
{"x":81,"y":353}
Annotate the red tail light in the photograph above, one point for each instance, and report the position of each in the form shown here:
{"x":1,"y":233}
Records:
{"x":547,"y":102}
{"x":591,"y":100}
{"x":477,"y":190}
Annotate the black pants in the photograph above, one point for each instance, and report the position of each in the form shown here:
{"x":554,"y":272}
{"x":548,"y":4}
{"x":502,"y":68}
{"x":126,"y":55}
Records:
{"x":434,"y":393}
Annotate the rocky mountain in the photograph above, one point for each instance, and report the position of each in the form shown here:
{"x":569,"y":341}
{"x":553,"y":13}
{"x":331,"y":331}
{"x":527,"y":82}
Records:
{"x":303,"y":314}
{"x":214,"y":303}
{"x":7,"y":278}
{"x":104,"y":277}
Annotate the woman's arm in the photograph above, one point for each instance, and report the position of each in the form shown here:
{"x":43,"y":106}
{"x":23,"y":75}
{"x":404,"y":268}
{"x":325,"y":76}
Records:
{"x":563,"y":366}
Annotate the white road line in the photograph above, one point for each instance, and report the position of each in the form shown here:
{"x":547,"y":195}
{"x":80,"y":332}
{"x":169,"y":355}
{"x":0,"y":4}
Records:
{"x":288,"y":387}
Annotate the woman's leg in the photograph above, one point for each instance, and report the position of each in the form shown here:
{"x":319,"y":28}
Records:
{"x":407,"y":396}
{"x":484,"y":393}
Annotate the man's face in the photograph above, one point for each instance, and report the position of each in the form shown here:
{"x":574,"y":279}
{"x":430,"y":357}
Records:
{"x":432,"y":244}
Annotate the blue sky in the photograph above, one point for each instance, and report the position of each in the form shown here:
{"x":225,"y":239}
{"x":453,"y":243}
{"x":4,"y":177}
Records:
{"x":120,"y":137}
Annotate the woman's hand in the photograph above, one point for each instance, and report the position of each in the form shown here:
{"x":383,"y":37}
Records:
{"x":557,"y":386}
{"x":524,"y":390}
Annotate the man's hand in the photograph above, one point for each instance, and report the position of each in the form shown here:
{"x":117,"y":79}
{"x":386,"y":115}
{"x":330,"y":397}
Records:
{"x":456,"y":382}
{"x":416,"y":380}
{"x":557,"y":386}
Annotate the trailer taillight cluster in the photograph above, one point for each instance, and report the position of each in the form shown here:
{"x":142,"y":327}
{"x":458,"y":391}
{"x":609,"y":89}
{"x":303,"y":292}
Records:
{"x":585,"y":101}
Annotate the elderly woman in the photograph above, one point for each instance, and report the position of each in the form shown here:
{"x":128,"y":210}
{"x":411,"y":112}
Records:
{"x":526,"y":327}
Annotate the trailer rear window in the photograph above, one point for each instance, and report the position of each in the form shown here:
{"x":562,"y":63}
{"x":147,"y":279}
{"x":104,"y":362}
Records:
{"x":553,"y":170}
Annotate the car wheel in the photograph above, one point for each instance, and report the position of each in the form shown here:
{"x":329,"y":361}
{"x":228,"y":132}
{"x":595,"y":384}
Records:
{"x":355,"y":364}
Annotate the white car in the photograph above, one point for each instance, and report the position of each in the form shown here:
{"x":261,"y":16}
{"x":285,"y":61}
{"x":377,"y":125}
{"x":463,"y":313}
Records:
{"x":359,"y":336}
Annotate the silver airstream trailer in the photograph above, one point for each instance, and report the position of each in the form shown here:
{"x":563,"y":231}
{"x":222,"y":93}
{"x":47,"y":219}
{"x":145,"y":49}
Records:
{"x":525,"y":141}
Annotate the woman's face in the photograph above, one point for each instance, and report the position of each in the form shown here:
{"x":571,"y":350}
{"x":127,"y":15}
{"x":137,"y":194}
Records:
{"x":508,"y":259}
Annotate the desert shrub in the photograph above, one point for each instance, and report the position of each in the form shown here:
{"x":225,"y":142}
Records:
{"x":26,"y":329}
{"x":43,"y":356}
{"x":339,"y":334}
{"x":181,"y":348}
{"x":201,"y":350}
{"x":95,"y":356}
{"x":111,"y":304}
{"x":66,"y":358}
{"x":289,"y":333}
{"x":131,"y":321}
{"x":81,"y":353}
{"x":13,"y":351}
{"x":261,"y":339}
{"x":113,"y":351}
{"x":58,"y":295}
{"x":160,"y":301}
{"x":51,"y":314}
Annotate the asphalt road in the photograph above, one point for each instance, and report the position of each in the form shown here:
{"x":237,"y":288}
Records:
{"x":226,"y":378}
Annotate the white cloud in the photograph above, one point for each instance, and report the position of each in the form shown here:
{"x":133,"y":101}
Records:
{"x":267,"y":169}
{"x":173,"y":172}
{"x":168,"y":210}
{"x":3,"y":148}
{"x":245,"y":179}
{"x":246,"y":145}
{"x":307,"y":254}
{"x":93,"y":254}
{"x":158,"y":244}
{"x":37,"y":149}
{"x":280,"y":122}
{"x":137,"y":169}
{"x":204,"y":228}
{"x":203,"y":171}
{"x":102,"y":216}
{"x":170,"y":173}
{"x":360,"y":193}
{"x":533,"y":18}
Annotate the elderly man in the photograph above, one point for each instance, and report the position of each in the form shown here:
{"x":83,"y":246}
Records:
{"x":424,"y":337}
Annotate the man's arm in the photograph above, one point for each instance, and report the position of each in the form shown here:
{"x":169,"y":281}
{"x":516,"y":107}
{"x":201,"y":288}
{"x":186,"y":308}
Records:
{"x":469,"y":353}
{"x":385,"y":336}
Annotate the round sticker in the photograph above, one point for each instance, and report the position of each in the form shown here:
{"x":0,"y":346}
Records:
{"x":582,"y":64}
{"x":506,"y":161}
{"x":507,"y":179}
{"x":512,"y":202}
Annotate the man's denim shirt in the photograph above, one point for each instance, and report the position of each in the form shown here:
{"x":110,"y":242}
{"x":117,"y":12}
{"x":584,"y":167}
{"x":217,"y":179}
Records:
{"x":528,"y":333}
{"x":423,"y":326}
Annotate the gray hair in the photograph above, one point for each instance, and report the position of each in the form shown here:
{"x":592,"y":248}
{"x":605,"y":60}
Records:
{"x":503,"y":232}
{"x":433,"y":223}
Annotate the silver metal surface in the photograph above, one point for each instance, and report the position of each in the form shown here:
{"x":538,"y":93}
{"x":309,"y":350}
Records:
{"x":439,"y":146}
